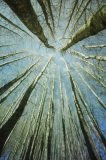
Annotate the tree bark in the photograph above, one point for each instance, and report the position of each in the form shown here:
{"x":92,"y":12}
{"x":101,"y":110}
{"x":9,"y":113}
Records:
{"x":25,"y":12}
{"x":95,"y":24}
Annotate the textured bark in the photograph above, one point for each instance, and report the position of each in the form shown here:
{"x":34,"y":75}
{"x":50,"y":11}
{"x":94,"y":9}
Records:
{"x":95,"y":24}
{"x":24,"y":10}
{"x":5,"y":131}
{"x":71,"y":14}
{"x":50,"y":10}
{"x":52,"y":106}
{"x":45,"y":14}
{"x":79,"y":54}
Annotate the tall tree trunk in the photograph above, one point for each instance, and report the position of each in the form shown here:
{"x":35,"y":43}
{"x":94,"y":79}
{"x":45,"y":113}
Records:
{"x":24,"y":10}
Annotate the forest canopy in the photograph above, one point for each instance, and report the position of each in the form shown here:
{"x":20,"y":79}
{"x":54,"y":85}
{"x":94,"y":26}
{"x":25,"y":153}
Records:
{"x":52,"y":79}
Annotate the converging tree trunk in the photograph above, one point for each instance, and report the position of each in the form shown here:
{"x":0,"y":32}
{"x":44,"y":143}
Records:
{"x":95,"y":24}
